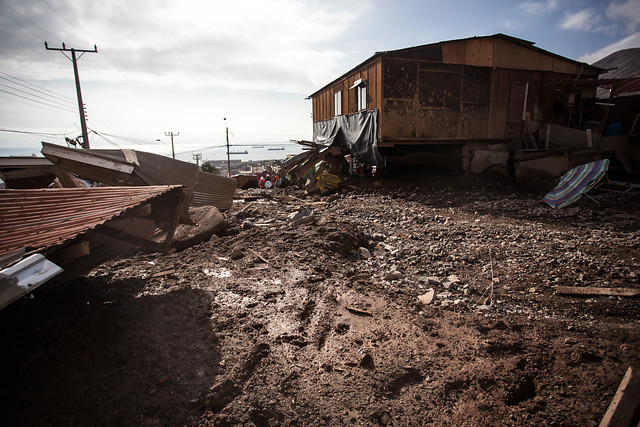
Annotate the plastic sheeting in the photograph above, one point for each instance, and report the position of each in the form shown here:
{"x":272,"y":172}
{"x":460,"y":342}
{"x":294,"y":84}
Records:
{"x":357,"y":132}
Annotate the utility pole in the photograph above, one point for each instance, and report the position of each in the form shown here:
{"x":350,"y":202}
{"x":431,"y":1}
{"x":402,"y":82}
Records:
{"x":197,"y":157}
{"x":171,"y":134}
{"x":228,"y":157}
{"x":74,"y":59}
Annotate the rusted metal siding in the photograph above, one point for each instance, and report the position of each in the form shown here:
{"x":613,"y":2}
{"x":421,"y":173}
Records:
{"x":41,"y":218}
{"x":153,"y":169}
{"x":213,"y":190}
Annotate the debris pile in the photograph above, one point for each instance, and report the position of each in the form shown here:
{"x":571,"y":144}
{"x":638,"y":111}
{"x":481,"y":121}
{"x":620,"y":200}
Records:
{"x":427,"y":304}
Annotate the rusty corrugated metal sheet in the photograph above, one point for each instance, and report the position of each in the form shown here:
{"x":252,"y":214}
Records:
{"x":43,"y":218}
{"x":213,"y":190}
{"x":206,"y":189}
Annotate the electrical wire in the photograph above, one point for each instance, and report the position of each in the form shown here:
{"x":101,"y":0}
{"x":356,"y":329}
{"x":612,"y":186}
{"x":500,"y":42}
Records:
{"x":34,"y":133}
{"x":28,"y":20}
{"x":36,"y":101}
{"x":35,"y":88}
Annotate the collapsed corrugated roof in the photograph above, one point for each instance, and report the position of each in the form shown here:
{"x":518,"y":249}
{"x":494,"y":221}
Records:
{"x":40,"y":218}
{"x":130,"y":167}
{"x":75,"y":229}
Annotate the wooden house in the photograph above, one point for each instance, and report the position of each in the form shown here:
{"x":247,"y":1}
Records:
{"x":451,"y":93}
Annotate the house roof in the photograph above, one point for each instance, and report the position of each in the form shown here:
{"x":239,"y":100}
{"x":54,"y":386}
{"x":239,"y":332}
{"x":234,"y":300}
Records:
{"x":41,"y":218}
{"x":515,"y":40}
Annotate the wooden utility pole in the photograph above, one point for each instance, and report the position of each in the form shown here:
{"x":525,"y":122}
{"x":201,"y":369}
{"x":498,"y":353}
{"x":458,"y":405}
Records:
{"x":228,"y":156}
{"x":171,"y":134}
{"x":74,"y":59}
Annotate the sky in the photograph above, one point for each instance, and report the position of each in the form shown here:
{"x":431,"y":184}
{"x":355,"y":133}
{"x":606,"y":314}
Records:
{"x":185,"y":66}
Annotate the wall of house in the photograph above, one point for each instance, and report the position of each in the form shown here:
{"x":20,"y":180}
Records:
{"x":424,"y":100}
{"x":323,"y":102}
{"x":473,"y":89}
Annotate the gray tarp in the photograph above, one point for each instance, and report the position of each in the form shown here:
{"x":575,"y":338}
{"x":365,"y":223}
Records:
{"x":357,"y":132}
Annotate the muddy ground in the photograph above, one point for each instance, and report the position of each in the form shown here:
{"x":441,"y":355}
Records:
{"x":315,"y":319}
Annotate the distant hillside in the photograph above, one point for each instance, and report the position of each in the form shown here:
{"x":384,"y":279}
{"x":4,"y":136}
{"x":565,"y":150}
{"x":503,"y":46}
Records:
{"x":622,"y":64}
{"x":627,"y":62}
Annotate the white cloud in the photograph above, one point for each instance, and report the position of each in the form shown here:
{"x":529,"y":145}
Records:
{"x":627,"y":12}
{"x":583,"y":20}
{"x":626,"y":43}
{"x":538,"y":7}
{"x":277,"y":45}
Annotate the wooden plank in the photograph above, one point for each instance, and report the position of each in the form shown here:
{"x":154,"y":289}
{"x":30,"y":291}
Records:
{"x":138,"y":212}
{"x":130,"y":238}
{"x":592,"y":291}
{"x":625,"y":403}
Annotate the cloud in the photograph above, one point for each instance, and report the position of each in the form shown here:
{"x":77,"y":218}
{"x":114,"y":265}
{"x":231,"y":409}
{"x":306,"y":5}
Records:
{"x":538,"y":7}
{"x":626,"y":43}
{"x":279,"y":45}
{"x":583,"y":20}
{"x":627,"y":12}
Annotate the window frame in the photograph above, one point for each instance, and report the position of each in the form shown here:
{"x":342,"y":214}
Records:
{"x":361,"y":96}
{"x":337,"y":103}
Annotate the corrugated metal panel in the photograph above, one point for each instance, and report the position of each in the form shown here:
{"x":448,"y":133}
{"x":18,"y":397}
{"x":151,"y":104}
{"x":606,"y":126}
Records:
{"x":161,"y":170}
{"x":213,"y":190}
{"x":42,"y":218}
{"x":154,"y":169}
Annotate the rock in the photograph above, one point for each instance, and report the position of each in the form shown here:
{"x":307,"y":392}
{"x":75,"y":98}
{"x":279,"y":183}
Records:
{"x":393,"y":275}
{"x":427,"y":298}
{"x":367,"y":362}
{"x":432,"y":280}
{"x":453,"y":279}
{"x":364,"y":252}
{"x":209,"y":222}
{"x":236,"y":253}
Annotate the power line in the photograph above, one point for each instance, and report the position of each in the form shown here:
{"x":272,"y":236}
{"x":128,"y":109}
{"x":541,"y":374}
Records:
{"x":36,"y":88}
{"x":36,"y":101}
{"x":63,"y":18}
{"x":35,"y":133}
{"x":28,"y":20}
{"x":29,"y":93}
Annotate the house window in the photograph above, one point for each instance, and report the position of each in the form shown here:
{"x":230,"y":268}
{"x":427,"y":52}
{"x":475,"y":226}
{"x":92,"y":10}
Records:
{"x":361,"y":94}
{"x":337,"y":103}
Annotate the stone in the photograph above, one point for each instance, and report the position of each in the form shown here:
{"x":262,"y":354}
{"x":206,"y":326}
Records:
{"x":364,"y":252}
{"x":427,"y":297}
{"x":236,"y":253}
{"x":393,"y":275}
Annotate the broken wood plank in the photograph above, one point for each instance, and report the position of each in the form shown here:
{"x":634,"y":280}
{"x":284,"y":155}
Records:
{"x":256,"y":254}
{"x":593,"y":291}
{"x":358,"y":312}
{"x":625,"y":403}
{"x":72,"y":252}
{"x":163,"y":273}
{"x":138,"y":211}
{"x":130,"y":238}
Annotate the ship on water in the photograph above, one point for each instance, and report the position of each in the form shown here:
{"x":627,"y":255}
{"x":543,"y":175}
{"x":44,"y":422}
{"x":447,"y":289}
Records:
{"x":276,"y":148}
{"x":239,"y":152}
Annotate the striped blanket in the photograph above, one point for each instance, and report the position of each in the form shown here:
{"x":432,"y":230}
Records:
{"x":575,"y":183}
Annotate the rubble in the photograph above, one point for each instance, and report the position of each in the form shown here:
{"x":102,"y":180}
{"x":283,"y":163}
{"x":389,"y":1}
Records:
{"x":319,"y":335}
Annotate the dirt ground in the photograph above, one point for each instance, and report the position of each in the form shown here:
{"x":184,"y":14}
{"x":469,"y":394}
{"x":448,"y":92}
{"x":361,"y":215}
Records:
{"x":306,"y":311}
